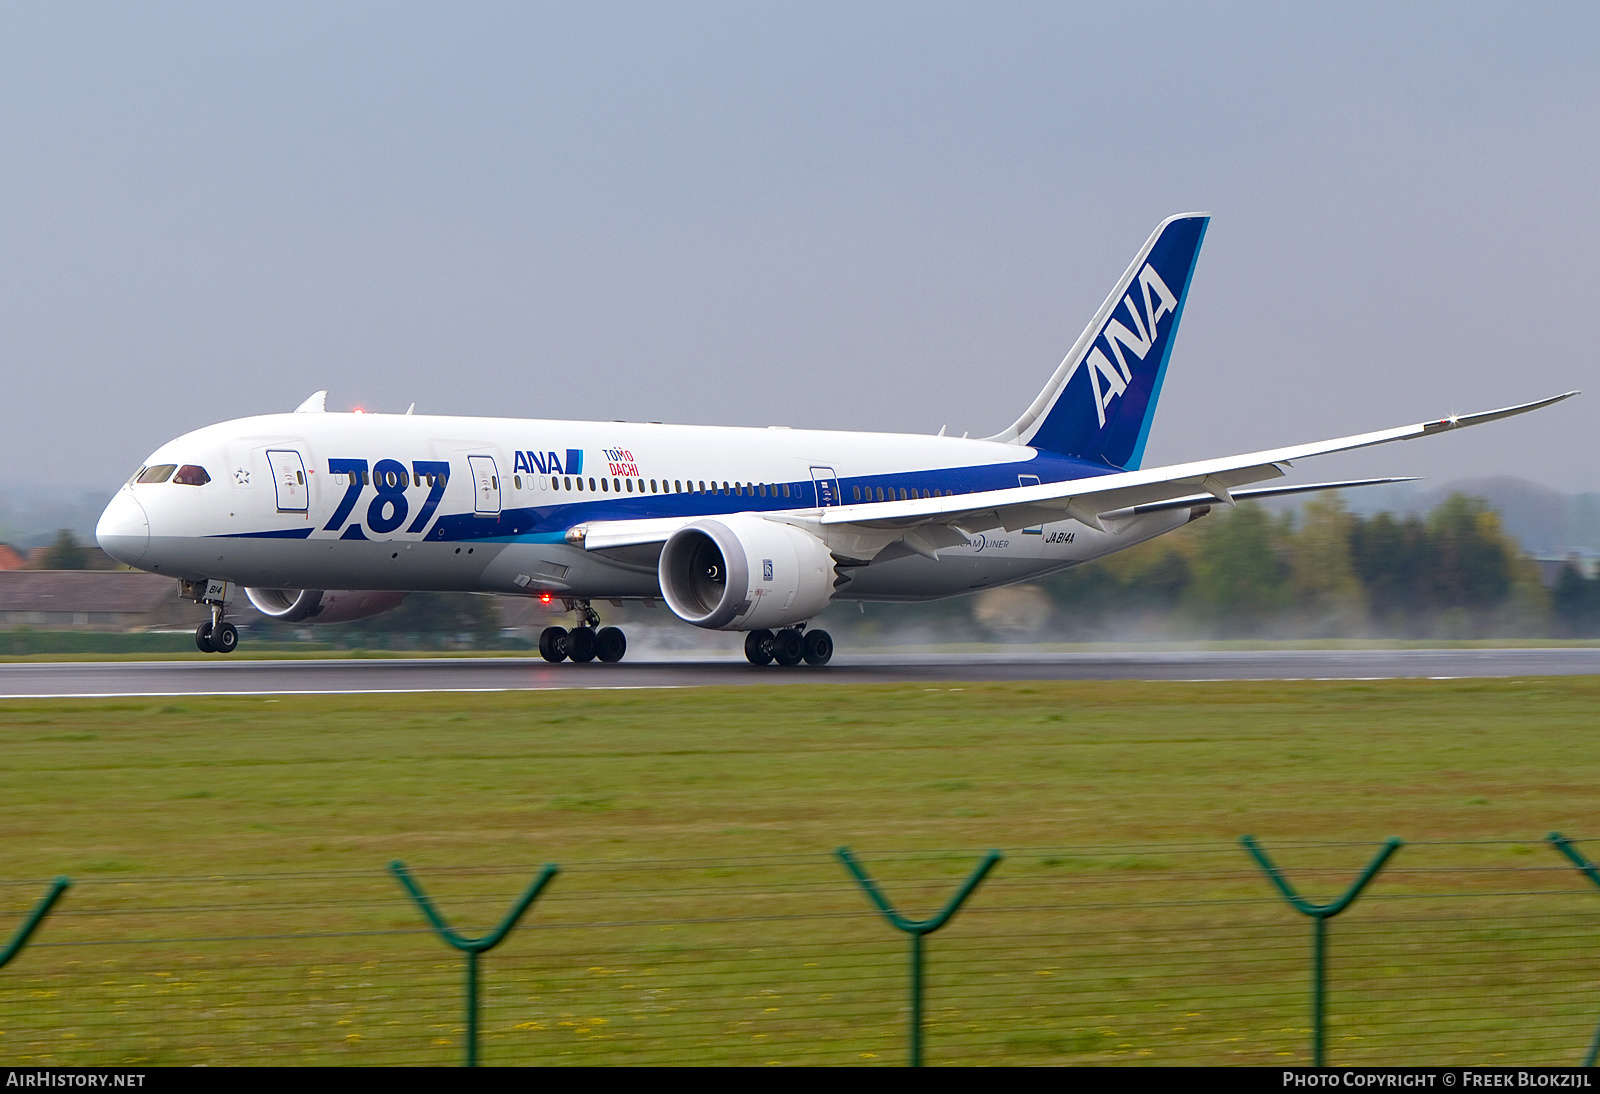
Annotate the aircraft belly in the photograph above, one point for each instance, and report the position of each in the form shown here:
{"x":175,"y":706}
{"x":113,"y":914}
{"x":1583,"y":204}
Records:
{"x":563,"y":570}
{"x":998,"y":557}
{"x":324,"y":563}
{"x":918,"y":578}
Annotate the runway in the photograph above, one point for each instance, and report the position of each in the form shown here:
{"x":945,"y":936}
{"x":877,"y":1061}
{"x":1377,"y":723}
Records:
{"x":351,"y":676}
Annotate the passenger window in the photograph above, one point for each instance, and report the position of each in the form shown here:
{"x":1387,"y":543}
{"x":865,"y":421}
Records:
{"x":785,"y":489}
{"x":652,"y":486}
{"x":566,"y":483}
{"x":516,"y":480}
{"x":761,"y":490}
{"x":702,"y":486}
{"x":604,"y":485}
{"x":591,"y":482}
{"x":902,"y":493}
{"x":617,"y":485}
{"x":190,"y":475}
{"x":300,"y":477}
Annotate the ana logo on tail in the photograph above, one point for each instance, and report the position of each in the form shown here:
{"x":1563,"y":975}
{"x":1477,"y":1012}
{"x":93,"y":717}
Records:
{"x":1100,"y":400}
{"x":1158,"y":303}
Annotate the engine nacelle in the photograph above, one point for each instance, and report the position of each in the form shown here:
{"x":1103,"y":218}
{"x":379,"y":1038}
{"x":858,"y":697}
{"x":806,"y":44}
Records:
{"x":322,"y":606}
{"x":745,"y":574}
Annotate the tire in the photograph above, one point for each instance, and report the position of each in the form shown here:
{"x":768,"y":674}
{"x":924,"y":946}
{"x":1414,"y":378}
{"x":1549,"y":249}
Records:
{"x":581,"y":644}
{"x":610,"y":644}
{"x":553,"y":644}
{"x":818,"y":648}
{"x":225,"y":639}
{"x":202,"y":638}
{"x":758,"y":647}
{"x":788,"y":648}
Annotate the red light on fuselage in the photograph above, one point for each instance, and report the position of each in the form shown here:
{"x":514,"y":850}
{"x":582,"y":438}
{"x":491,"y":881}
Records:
{"x":544,"y":598}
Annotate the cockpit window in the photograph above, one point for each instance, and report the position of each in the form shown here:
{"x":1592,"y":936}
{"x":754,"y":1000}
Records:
{"x":190,"y":475}
{"x":160,"y":472}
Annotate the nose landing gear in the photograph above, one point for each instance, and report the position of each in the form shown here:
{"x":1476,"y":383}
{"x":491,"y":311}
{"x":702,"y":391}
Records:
{"x":216,"y":635}
{"x":585,"y":643}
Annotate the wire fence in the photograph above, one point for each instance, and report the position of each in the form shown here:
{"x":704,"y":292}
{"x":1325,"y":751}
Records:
{"x":1459,"y":953}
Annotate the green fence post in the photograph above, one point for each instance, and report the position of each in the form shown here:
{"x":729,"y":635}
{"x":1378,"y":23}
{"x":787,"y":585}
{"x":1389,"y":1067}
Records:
{"x":472,"y":947}
{"x":40,"y":910}
{"x":917,"y":929}
{"x":1320,"y":914}
{"x":1564,"y":845}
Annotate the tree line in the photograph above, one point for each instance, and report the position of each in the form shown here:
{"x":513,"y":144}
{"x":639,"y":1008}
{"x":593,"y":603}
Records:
{"x":1453,"y":573}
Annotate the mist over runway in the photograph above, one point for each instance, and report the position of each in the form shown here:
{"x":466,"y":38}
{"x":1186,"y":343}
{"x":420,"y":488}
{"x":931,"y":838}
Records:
{"x":354,"y":676}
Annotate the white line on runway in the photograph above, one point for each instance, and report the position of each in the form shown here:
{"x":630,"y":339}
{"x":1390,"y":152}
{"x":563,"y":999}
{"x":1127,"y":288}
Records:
{"x":337,"y":691}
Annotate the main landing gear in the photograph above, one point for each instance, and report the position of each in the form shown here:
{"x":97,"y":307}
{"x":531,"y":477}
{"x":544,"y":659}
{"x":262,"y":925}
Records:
{"x":585,"y":643}
{"x":788,"y":647}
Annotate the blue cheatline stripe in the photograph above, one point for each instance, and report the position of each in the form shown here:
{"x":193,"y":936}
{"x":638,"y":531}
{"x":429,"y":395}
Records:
{"x":548,"y":523}
{"x":279,"y":533}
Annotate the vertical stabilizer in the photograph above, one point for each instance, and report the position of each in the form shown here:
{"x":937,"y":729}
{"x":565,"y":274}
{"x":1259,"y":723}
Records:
{"x":1100,"y":401}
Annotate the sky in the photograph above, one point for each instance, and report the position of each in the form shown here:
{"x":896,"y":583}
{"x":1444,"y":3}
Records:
{"x":858,"y":216}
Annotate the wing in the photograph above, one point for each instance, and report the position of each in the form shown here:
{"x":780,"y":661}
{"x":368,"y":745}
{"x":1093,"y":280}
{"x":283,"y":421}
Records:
{"x":1088,"y":499}
{"x":930,"y":523}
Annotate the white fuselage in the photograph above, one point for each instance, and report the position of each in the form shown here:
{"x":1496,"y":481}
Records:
{"x":412,"y":502}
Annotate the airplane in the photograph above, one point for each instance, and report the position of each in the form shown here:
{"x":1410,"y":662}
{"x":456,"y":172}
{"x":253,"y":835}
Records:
{"x":324,"y":517}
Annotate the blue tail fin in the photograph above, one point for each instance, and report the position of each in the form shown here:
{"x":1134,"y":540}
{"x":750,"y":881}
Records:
{"x":1100,"y":402}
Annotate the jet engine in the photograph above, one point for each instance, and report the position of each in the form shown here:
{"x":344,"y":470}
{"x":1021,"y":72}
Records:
{"x":322,"y":606}
{"x":745,"y":573}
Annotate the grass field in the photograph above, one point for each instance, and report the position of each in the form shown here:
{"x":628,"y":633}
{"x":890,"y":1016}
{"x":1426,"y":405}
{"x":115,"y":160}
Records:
{"x":231,"y":904}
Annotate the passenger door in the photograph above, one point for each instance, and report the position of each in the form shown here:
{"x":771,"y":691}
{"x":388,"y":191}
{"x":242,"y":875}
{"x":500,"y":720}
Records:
{"x":289,"y":478}
{"x":485,"y":485}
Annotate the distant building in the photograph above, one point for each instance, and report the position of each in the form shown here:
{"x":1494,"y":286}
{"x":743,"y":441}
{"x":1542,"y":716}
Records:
{"x":1550,"y":567}
{"x":102,"y":600}
{"x":11,"y":558}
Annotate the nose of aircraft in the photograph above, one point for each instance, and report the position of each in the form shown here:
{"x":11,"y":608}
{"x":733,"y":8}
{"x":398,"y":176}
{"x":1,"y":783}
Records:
{"x":124,"y":530}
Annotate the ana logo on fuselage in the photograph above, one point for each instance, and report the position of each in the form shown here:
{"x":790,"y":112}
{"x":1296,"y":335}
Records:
{"x":1115,"y":338}
{"x":548,"y":463}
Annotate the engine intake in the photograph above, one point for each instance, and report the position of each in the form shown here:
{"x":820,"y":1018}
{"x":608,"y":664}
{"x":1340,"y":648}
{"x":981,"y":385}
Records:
{"x":745,"y":573}
{"x":319,"y":606}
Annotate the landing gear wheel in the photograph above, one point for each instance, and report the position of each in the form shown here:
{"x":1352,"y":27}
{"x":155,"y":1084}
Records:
{"x":758,"y":647}
{"x":788,"y":648}
{"x":553,"y":644}
{"x":817,"y":647}
{"x":581,"y":644}
{"x":202,"y":638}
{"x":610,"y":644}
{"x":225,"y":639}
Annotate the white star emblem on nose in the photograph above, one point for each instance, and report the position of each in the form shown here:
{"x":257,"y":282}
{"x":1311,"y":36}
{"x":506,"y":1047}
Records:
{"x":242,"y":477}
